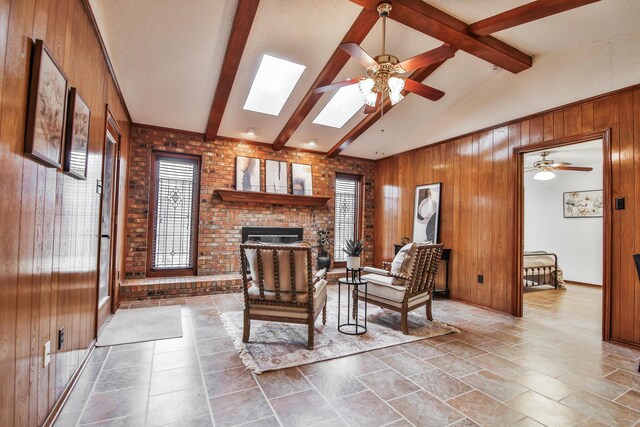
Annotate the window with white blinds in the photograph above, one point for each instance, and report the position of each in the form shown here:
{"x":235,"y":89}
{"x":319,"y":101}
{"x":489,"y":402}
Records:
{"x":174,"y":211}
{"x":347,"y":213}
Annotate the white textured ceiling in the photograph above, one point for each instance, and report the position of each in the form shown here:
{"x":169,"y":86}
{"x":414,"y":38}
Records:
{"x":167,"y":55}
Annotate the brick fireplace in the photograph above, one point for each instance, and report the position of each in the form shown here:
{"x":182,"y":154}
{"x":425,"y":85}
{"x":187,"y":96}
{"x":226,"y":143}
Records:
{"x":221,"y":224}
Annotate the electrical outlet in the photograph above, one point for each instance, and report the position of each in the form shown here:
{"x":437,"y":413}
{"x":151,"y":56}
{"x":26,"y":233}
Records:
{"x":60,"y":337}
{"x":480,"y":279}
{"x":46,"y":356}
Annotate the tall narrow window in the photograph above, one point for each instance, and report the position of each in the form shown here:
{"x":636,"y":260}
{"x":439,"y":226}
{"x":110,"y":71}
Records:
{"x":347,"y":214}
{"x":174,"y":210}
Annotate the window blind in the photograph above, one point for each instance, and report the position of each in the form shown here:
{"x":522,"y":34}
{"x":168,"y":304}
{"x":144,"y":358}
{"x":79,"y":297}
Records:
{"x":175,"y":191}
{"x":347,"y":211}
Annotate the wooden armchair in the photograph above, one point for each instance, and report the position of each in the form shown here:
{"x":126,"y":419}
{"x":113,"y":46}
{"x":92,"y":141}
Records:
{"x":281,"y":286}
{"x":407,"y":283}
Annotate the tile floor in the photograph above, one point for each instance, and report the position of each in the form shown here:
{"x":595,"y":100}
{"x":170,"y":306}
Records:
{"x":548,"y":368}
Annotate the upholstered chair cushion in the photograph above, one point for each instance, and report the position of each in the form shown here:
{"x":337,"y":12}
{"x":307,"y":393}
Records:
{"x":403,"y":261}
{"x":383,"y":287}
{"x":319,"y":299}
{"x":301,"y":282}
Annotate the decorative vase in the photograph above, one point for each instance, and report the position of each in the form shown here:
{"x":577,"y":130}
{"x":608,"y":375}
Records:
{"x":324,"y":261}
{"x":353,"y":262}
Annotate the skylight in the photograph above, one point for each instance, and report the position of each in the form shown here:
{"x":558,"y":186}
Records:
{"x":272,"y":85}
{"x":344,"y":104}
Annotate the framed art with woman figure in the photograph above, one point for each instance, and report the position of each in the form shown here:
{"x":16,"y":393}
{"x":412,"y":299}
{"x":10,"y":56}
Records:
{"x":426,"y":213}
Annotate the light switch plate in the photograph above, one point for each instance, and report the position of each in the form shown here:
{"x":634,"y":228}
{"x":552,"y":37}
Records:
{"x":46,"y":354}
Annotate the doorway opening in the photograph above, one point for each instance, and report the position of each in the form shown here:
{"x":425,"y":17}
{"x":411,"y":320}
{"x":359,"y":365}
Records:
{"x":563,"y":211}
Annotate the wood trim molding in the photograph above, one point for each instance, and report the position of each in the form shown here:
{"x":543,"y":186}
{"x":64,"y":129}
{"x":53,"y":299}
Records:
{"x":57,"y":408}
{"x":418,"y":75}
{"x":240,"y":30}
{"x":356,"y":34}
{"x":526,"y":13}
{"x":96,"y":30}
{"x":518,"y":197}
{"x":519,"y":119}
{"x":433,"y":22}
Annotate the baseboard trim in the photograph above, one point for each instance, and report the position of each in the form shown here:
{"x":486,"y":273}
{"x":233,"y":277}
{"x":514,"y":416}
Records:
{"x":573,"y":282}
{"x":625,"y":343}
{"x":57,"y":408}
{"x":495,"y":310}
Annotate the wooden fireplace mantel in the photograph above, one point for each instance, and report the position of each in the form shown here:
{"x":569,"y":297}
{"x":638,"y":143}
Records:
{"x":272,"y":198}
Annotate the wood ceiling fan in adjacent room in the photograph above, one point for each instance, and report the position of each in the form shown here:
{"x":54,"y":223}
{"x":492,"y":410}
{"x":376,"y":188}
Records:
{"x":544,"y":168}
{"x":382,"y":71}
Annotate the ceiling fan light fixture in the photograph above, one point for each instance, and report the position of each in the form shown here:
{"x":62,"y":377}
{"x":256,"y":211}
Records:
{"x":395,"y":97}
{"x":371,"y":99}
{"x":365,"y":85}
{"x":544,"y":175}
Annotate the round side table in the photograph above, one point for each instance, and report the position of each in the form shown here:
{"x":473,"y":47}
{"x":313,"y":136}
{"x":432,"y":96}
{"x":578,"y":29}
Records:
{"x":355,"y":287}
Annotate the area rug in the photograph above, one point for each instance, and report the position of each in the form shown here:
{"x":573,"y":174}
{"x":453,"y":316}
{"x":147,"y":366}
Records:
{"x":276,"y":346}
{"x":142,"y":324}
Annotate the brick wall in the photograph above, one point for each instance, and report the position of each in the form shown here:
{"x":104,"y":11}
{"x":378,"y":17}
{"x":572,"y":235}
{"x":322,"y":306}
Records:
{"x":220,"y":223}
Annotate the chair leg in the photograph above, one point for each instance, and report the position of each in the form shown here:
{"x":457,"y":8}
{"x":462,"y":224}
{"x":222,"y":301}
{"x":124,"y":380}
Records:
{"x":246,"y":330}
{"x":324,"y":313}
{"x":404,"y":324}
{"x":310,"y":335}
{"x":429,"y":313}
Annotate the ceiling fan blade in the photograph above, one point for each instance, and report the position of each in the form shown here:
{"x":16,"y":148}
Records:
{"x":556,"y":164}
{"x":422,"y":90}
{"x":433,"y":56}
{"x":530,"y":169}
{"x":337,"y":85}
{"x":368,"y":109}
{"x":573,"y":168}
{"x":359,"y":54}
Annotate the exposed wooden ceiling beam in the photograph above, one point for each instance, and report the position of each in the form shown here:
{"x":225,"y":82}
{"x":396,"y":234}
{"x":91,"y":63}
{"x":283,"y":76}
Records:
{"x":526,"y":13}
{"x":418,"y":75}
{"x":356,"y":34}
{"x":242,"y":21}
{"x":429,"y":20}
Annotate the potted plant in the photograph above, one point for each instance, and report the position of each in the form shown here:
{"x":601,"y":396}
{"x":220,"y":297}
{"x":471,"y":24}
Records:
{"x":353,"y":249}
{"x":324,"y":261}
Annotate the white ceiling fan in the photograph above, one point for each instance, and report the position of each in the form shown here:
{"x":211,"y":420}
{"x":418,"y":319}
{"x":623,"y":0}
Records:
{"x":545,"y":167}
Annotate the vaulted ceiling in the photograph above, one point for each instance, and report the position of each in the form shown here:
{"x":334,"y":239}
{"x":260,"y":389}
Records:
{"x":190,"y":64}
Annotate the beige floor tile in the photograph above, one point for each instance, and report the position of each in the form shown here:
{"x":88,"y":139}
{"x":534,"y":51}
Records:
{"x":630,"y":399}
{"x":440,"y":384}
{"x":461,"y":349}
{"x":304,"y":408}
{"x":498,"y":365}
{"x":336,"y":384}
{"x":595,"y":385}
{"x":545,"y":410}
{"x":494,"y":385}
{"x":454,"y":365}
{"x":178,"y":406}
{"x":423,"y":409}
{"x":228,"y":381}
{"x":365,"y":409}
{"x":625,"y":378}
{"x":388,"y":384}
{"x":239,"y":408}
{"x":284,"y":381}
{"x":601,"y":409}
{"x":543,"y":384}
{"x":406,"y":364}
{"x":485,"y":410}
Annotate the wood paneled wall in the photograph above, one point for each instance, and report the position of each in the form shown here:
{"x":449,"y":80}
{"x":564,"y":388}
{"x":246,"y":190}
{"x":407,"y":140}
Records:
{"x":48,"y":221}
{"x":478,"y":175}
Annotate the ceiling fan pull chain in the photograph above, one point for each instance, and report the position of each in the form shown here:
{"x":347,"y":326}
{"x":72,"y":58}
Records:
{"x":382,"y":112}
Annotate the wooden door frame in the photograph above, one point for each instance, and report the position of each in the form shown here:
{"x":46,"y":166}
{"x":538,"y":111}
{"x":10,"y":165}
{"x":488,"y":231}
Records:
{"x":518,"y":152}
{"x":111,"y":127}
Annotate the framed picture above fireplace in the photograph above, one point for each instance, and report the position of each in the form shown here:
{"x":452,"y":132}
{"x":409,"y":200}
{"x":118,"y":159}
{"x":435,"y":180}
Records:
{"x":301,"y":179}
{"x":247,"y":174}
{"x":276,"y":177}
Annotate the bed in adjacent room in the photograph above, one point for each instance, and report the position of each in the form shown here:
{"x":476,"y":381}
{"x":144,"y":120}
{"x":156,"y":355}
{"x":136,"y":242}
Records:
{"x":541,"y":268}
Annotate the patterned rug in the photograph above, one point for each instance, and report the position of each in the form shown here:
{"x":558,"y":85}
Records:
{"x":276,"y":346}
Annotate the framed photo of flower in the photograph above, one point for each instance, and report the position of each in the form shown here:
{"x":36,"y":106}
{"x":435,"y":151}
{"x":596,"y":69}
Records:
{"x":583,"y":204}
{"x":47,"y":106}
{"x":77,"y":136}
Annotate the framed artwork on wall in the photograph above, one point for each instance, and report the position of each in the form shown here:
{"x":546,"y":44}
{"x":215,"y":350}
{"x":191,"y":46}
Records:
{"x":276,"y":177}
{"x":583,"y":204}
{"x":47,"y":105}
{"x":247,"y":173}
{"x":76,"y":146}
{"x":302,"y":179}
{"x":426,"y":213}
